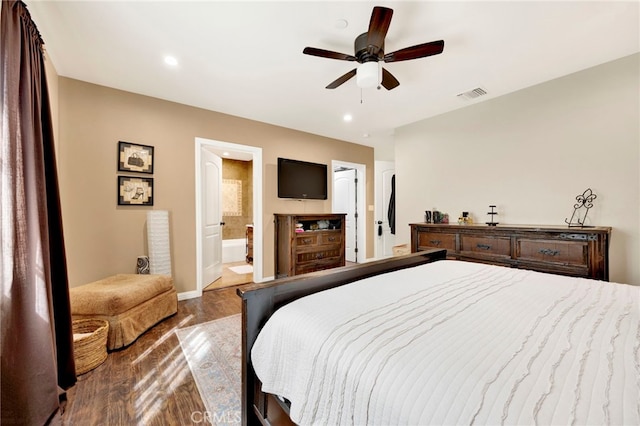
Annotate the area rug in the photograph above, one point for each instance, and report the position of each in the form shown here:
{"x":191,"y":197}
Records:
{"x":213,"y":350}
{"x":242,"y":269}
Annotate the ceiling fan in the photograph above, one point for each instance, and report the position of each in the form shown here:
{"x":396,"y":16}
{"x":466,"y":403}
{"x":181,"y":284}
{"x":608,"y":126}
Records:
{"x":369,"y":50}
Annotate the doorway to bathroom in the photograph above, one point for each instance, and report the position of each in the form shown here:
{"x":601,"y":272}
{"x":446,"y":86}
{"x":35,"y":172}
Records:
{"x":237,"y":220}
{"x":231,"y":198}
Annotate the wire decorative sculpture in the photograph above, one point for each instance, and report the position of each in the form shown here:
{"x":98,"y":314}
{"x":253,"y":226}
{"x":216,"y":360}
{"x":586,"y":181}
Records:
{"x":584,"y":203}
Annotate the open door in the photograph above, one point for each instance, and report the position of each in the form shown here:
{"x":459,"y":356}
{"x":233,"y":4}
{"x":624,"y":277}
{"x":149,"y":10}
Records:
{"x":211,"y":169}
{"x":345,"y":200}
{"x":385,"y":240}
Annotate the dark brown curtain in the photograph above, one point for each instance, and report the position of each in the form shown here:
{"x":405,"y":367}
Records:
{"x":37,"y":342}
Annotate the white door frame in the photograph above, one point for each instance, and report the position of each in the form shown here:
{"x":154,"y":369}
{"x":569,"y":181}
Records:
{"x":244,"y":151}
{"x":361,"y":205}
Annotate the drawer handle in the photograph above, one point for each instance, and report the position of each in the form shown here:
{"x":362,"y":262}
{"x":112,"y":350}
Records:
{"x":332,"y":238}
{"x":319,"y":256}
{"x":435,"y":242}
{"x":307,"y":241}
{"x":549,"y":252}
{"x":483,"y":246}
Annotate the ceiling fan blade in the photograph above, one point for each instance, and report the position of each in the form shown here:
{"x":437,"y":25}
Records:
{"x":415,"y":52}
{"x":388,"y":80}
{"x":342,"y":79}
{"x":378,"y":27}
{"x":328,"y":54}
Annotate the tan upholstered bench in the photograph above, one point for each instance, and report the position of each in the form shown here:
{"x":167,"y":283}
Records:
{"x":131,"y":303}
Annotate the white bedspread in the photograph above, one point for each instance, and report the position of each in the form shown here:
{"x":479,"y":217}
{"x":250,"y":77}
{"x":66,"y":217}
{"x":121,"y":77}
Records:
{"x":457,"y":343}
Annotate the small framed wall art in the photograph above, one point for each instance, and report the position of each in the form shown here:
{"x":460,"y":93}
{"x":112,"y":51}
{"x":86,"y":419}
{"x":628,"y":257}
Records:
{"x":135,"y":191}
{"x":135,"y":158}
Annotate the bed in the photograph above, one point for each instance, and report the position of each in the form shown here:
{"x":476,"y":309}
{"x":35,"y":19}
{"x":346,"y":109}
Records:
{"x":444,"y":342}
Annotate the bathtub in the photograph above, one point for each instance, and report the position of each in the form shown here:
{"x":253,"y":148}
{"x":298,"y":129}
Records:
{"x":234,"y":250}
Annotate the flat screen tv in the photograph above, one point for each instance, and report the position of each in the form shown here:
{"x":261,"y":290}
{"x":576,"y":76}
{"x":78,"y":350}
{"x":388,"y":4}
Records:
{"x":301,"y":180}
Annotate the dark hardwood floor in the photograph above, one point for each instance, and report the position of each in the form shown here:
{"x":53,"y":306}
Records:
{"x":149,"y":382}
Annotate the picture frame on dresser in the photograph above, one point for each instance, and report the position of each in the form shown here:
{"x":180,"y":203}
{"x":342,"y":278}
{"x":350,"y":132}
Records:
{"x":135,"y":191}
{"x":135,"y":157}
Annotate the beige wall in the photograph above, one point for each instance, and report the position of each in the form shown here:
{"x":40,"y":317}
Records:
{"x":531,"y":153}
{"x":102,"y":238}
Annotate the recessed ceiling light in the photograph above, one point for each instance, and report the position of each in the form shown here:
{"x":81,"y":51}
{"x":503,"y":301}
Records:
{"x":365,"y":135}
{"x":341,"y":24}
{"x":347,"y":118}
{"x":170,"y":60}
{"x":226,"y":154}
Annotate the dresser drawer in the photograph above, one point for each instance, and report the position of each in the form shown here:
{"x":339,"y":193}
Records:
{"x":306,"y":268}
{"x":485,"y":245}
{"x":317,"y":255}
{"x":318,"y":240}
{"x":563,"y":252}
{"x":330,"y":238}
{"x":307,"y":239}
{"x":318,"y":260}
{"x":441,"y":240}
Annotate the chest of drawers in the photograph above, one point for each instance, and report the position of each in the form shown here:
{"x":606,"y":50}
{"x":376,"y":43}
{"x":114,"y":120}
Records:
{"x":307,"y":243}
{"x":582,"y":252}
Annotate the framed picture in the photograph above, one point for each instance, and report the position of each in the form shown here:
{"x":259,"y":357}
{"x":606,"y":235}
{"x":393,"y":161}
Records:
{"x":135,"y":191}
{"x":135,"y":158}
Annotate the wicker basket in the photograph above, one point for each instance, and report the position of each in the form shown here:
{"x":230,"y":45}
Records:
{"x":91,"y":350}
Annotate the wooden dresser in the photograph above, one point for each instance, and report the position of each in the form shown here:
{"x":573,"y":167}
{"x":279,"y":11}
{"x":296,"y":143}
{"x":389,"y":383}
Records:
{"x":249,"y":257}
{"x":581,"y":252}
{"x":317,"y":244}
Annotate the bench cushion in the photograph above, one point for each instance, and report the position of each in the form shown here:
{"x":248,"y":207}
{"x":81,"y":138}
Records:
{"x":117,"y":294}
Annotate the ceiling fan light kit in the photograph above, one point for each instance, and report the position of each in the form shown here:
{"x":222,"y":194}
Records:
{"x":368,"y":75}
{"x":369,"y":52}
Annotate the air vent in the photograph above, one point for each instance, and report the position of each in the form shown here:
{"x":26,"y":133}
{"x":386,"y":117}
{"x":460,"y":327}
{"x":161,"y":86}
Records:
{"x":472,"y":94}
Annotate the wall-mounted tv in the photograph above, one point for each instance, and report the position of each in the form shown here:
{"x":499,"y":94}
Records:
{"x":301,"y":180}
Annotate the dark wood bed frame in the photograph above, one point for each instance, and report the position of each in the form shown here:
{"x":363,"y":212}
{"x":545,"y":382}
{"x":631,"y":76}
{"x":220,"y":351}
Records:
{"x":260,"y":301}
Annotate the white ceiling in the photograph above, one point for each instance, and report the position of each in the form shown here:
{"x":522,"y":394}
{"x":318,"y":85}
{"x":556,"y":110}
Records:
{"x":245,"y":58}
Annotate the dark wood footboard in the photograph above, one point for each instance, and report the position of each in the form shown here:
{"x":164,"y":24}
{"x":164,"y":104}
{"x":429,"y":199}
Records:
{"x":259,"y":301}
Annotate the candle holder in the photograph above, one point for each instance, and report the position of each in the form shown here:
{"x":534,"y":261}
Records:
{"x":492,"y":213}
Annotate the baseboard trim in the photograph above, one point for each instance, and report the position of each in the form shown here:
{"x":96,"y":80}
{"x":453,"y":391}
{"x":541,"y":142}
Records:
{"x":189,"y":295}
